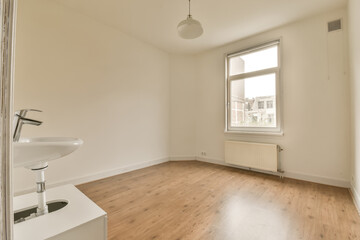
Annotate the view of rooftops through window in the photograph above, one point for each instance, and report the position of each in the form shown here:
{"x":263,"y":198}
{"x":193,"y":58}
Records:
{"x":253,"y":98}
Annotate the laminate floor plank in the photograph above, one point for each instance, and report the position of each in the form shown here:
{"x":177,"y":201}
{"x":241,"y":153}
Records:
{"x":193,"y":200}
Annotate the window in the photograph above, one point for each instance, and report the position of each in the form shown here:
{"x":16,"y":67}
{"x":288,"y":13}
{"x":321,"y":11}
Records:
{"x":252,"y":90}
{"x":260,"y":104}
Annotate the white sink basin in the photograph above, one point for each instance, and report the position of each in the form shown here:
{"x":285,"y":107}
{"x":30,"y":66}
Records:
{"x":34,"y":153}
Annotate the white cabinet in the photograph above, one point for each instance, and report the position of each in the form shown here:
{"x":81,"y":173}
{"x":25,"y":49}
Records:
{"x":80,"y":219}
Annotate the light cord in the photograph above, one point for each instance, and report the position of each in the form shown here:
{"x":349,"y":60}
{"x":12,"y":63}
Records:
{"x":189,"y":9}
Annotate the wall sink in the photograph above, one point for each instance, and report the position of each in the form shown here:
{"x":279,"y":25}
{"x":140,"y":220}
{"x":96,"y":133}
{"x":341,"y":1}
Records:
{"x":34,"y":153}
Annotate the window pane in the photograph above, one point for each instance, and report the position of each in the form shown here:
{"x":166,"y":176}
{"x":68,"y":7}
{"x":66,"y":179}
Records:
{"x":253,"y":101}
{"x":254,"y":61}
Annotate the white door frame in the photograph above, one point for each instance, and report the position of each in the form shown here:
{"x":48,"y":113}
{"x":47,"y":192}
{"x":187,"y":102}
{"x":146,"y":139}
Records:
{"x":7,"y":48}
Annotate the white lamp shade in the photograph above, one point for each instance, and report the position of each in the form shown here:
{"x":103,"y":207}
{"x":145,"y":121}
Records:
{"x":190,"y":28}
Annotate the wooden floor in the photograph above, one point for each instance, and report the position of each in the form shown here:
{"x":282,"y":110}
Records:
{"x":194,"y":200}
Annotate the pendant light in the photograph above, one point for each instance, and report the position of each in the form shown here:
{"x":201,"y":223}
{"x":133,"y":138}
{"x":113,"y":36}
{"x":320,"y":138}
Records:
{"x":190,"y":28}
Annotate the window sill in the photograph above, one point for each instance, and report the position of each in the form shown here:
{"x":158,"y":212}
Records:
{"x":255,"y":133}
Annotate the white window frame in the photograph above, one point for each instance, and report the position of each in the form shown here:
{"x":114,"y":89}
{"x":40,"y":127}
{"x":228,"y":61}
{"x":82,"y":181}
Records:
{"x":277,"y":130}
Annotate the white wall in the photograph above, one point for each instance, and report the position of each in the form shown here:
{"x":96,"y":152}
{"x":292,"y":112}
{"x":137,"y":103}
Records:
{"x":92,"y":82}
{"x":183,"y":107}
{"x":133,"y":103}
{"x":354,"y":52}
{"x":315,"y":96}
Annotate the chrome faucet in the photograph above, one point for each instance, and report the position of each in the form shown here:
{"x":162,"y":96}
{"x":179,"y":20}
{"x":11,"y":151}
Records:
{"x":20,"y":119}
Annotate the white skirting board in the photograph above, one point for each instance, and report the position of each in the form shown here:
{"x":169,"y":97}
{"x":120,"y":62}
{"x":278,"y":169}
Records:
{"x":129,"y":168}
{"x":356,"y":198}
{"x":318,"y":179}
{"x":299,"y":176}
{"x":223,"y":163}
{"x":182,"y":158}
{"x":99,"y":175}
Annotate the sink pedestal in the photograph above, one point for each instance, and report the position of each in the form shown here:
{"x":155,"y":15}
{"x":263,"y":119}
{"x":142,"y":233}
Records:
{"x":41,"y":191}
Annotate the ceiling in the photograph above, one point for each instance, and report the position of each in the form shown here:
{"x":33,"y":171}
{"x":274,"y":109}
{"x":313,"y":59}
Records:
{"x":224,"y":21}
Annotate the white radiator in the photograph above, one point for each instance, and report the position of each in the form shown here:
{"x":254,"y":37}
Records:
{"x":253,"y":155}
